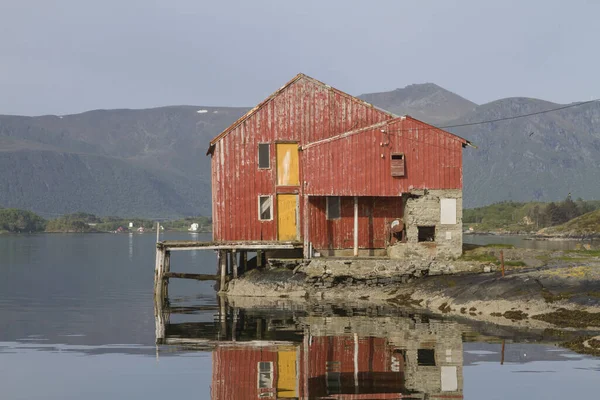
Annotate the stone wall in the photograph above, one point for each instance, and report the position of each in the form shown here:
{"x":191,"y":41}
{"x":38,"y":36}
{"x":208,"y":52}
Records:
{"x":423,"y":209}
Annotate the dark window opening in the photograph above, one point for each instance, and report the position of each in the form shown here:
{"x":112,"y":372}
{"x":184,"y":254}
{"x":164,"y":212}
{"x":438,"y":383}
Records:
{"x":264,"y":208}
{"x":264,"y":155}
{"x":426,"y":233}
{"x":333,"y":208}
{"x":333,"y":377}
{"x":426,"y":357}
{"x":398,"y":164}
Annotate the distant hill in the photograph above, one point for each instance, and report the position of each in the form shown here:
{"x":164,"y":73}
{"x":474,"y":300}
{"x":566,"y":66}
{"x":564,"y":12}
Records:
{"x":426,"y":101}
{"x":151,"y":163}
{"x":543,"y":157}
{"x":586,"y":225}
{"x":148,"y":163}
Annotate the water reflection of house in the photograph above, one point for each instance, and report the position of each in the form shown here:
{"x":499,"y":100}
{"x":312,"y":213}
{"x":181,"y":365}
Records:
{"x":423,"y":361}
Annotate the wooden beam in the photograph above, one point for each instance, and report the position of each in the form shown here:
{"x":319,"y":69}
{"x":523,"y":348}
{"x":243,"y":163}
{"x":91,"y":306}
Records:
{"x":184,"y":275}
{"x":175,"y":247}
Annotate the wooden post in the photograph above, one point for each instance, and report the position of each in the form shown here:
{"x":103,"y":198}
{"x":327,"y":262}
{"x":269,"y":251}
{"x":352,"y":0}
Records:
{"x":244,"y":261}
{"x":234,"y":264}
{"x":167,"y":268}
{"x":502,"y":356}
{"x":157,"y":232}
{"x":355,"y":226}
{"x":502,"y":261}
{"x":159,"y":270}
{"x":223,"y":316}
{"x":223,"y":269}
{"x":259,"y":258}
{"x":234,"y":317}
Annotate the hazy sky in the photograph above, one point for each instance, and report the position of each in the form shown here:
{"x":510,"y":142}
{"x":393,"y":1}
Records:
{"x":68,"y":56}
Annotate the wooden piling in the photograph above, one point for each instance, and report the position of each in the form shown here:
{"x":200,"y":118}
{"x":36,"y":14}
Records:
{"x":234,"y":264}
{"x":244,"y":260}
{"x":259,"y":256}
{"x":222,"y":269}
{"x":502,"y":261}
{"x":167,"y":270}
{"x":159,"y":270}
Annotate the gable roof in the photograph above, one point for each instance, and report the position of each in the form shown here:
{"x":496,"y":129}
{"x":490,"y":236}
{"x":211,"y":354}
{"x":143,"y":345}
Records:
{"x":276,"y":93}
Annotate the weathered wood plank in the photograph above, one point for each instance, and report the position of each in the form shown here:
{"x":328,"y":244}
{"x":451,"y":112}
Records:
{"x":185,"y":275}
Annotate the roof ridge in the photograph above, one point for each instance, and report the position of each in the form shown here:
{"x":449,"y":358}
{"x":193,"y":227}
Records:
{"x":276,"y":93}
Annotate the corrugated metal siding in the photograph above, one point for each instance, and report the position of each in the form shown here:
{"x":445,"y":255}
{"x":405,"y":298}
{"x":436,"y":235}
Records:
{"x":360,"y":164}
{"x":374,"y":217}
{"x":304,"y":112}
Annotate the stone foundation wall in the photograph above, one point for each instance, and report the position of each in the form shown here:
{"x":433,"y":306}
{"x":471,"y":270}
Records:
{"x":380,"y":272}
{"x":423,"y":208}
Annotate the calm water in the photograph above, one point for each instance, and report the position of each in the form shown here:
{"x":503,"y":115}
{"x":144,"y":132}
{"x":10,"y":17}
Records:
{"x":77,"y":322}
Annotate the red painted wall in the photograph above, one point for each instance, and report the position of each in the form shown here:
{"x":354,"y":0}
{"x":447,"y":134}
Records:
{"x":360,"y":164}
{"x":374,"y":217}
{"x":305,"y":111}
{"x":235,"y":372}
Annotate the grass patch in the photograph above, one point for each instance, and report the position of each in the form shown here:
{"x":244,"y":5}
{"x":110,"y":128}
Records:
{"x":500,"y":246}
{"x":550,"y":297}
{"x":587,"y":253}
{"x":487,"y":258}
{"x":578,"y":346}
{"x":516,"y":315}
{"x":570,"y":318}
{"x":515,"y":263}
{"x":445,"y":308}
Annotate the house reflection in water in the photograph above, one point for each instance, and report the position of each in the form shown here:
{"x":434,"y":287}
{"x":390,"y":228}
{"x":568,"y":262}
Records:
{"x":335,"y":357}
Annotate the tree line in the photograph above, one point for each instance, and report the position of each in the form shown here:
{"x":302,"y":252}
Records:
{"x":22,"y":221}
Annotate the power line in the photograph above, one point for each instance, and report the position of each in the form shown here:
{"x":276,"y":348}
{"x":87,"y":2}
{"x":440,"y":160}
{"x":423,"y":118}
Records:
{"x":519,"y":116}
{"x":504,"y":118}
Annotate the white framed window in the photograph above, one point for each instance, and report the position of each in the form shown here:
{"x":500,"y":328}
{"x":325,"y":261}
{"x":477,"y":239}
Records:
{"x":265,"y":208}
{"x":265,"y":375}
{"x":333,"y":207}
{"x":264,"y":155}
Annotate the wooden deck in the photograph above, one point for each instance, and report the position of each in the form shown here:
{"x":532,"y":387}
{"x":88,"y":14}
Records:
{"x":232,"y":258}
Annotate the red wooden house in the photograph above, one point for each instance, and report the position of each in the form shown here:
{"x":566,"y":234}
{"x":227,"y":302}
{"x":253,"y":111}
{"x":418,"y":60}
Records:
{"x":314,"y":165}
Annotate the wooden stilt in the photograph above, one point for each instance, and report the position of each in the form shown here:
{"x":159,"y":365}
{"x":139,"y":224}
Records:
{"x":159,"y":270}
{"x":166,"y":271}
{"x":259,"y":256}
{"x":244,"y":260}
{"x":223,"y":315}
{"x":234,"y":317}
{"x":234,"y":264}
{"x":223,"y":269}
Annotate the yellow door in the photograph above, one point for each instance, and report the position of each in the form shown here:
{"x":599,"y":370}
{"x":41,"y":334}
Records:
{"x":286,"y":374}
{"x":287,"y":164}
{"x":287,"y":205}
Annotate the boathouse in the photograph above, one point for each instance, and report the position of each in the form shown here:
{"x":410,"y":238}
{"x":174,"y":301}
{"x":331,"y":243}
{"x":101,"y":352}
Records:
{"x":327,"y":172}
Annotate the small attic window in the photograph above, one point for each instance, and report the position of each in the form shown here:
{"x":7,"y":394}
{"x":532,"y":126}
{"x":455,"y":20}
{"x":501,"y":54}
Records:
{"x":397,"y":164}
{"x":264,"y":161}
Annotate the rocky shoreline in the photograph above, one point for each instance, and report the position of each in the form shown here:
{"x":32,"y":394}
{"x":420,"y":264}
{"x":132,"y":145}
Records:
{"x":541,"y":289}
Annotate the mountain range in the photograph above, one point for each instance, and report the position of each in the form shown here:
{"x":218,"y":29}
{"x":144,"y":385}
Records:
{"x":151,"y":163}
